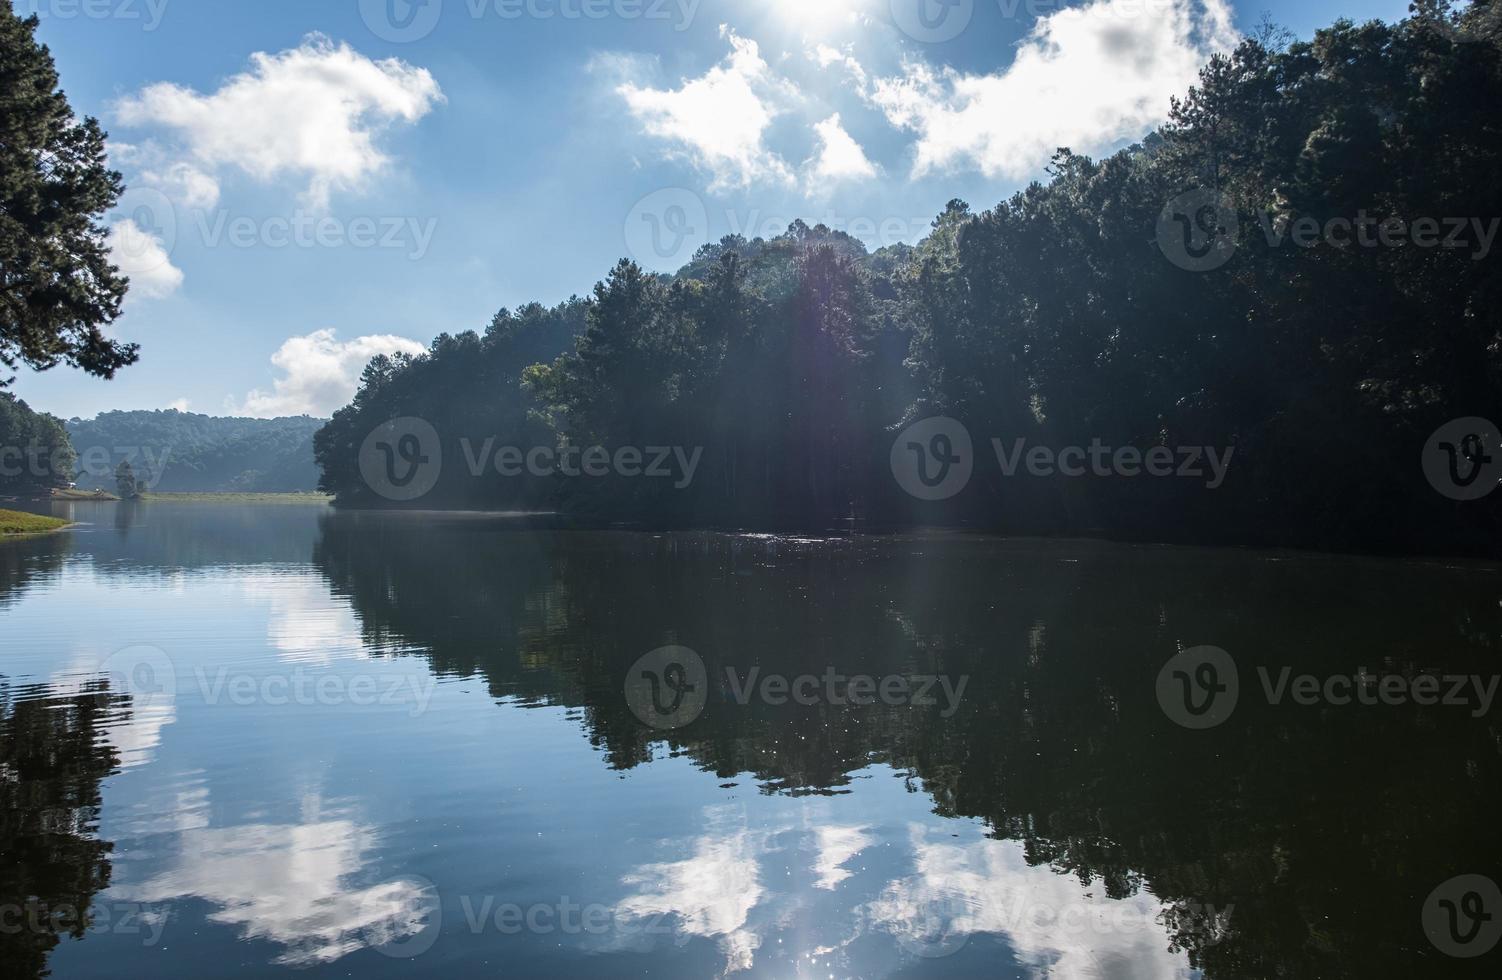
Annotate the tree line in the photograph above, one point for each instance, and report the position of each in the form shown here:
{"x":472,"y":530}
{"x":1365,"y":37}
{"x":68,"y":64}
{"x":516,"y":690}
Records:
{"x":1067,"y":315}
{"x":167,"y":451}
{"x":172,"y":451}
{"x":36,"y":455}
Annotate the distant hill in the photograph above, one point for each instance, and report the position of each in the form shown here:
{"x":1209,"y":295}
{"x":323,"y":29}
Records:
{"x":180,"y":451}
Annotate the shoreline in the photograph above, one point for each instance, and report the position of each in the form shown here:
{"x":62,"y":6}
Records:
{"x":21,"y":524}
{"x":237,"y":496}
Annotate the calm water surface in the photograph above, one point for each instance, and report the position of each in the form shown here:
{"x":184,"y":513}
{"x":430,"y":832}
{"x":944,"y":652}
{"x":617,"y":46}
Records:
{"x":255,"y":739}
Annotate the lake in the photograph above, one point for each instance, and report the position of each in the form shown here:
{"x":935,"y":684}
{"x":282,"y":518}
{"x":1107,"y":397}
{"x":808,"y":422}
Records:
{"x":275,"y":738}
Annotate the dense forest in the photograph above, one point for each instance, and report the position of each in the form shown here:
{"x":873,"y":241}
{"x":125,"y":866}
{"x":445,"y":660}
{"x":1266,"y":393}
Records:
{"x":172,"y":451}
{"x":35,"y":454}
{"x":1068,"y":314}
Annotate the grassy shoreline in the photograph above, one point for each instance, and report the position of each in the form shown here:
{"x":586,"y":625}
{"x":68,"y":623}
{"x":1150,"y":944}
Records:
{"x":15,"y":522}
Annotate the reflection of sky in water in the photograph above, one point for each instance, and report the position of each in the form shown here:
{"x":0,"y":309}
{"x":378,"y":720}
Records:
{"x":980,"y":891}
{"x":711,"y":892}
{"x":1052,"y":924}
{"x":289,"y":884}
{"x":133,"y":728}
{"x":307,"y":625}
{"x":767,"y":882}
{"x":290,"y":835}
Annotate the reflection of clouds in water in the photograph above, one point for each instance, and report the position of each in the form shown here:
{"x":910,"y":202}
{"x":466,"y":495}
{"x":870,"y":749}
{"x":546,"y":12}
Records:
{"x":134,"y":727}
{"x":1056,"y":927}
{"x":837,"y":845}
{"x":171,"y":808}
{"x":137,"y":737}
{"x":306,"y":624}
{"x":711,"y":892}
{"x":287,"y":884}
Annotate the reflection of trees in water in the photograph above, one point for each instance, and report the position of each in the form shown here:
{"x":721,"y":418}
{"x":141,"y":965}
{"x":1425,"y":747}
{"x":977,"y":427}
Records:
{"x":127,"y":513}
{"x":24,"y":560}
{"x":1324,"y":827}
{"x":53,"y":755}
{"x":135,"y":538}
{"x":143,"y":536}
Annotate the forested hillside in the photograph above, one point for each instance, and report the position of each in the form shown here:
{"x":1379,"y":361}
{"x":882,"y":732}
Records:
{"x":172,"y":451}
{"x":35,"y":456}
{"x":1164,"y":297}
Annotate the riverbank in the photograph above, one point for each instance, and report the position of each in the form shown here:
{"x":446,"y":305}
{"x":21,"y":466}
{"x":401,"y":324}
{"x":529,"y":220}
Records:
{"x":83,"y":495}
{"x":14,"y":522}
{"x":239,"y":498}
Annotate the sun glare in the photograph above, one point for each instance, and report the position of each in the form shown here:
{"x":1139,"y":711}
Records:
{"x":819,"y":16}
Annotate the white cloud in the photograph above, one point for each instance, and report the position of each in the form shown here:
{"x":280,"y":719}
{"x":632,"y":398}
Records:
{"x":313,"y":113}
{"x":824,"y":56}
{"x":319,"y":373}
{"x":185,"y":184}
{"x":142,"y":257}
{"x":839,"y":156}
{"x":1086,"y":78}
{"x":720,"y":119}
{"x":178,"y":405}
{"x":152,"y":165}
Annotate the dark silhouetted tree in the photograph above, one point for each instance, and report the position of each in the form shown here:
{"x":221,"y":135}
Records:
{"x":58,"y":289}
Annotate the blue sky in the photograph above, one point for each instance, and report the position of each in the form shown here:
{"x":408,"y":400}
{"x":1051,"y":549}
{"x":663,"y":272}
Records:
{"x":315,"y":181}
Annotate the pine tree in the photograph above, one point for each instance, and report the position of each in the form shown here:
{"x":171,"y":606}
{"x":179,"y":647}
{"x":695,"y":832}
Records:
{"x":125,"y":481}
{"x":57,"y":286}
